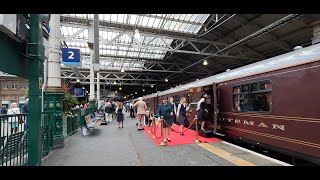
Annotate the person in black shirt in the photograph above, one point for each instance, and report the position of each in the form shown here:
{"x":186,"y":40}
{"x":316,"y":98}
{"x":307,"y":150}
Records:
{"x":201,"y":110}
{"x":120,"y":114}
{"x":182,"y":114}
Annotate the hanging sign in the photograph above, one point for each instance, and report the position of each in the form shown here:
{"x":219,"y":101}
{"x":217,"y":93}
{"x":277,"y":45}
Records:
{"x":71,"y":57}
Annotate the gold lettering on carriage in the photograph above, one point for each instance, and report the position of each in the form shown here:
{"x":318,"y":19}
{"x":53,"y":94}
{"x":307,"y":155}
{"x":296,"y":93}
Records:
{"x":253,"y":123}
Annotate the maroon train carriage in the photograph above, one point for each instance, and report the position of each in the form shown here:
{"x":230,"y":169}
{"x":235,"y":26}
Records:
{"x":273,"y":103}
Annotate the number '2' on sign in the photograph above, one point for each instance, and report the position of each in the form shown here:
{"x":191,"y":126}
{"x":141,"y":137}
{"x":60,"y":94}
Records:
{"x":71,"y":57}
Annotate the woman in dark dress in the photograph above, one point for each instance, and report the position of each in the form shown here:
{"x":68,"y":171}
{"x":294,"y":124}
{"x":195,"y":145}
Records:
{"x":182,"y":114}
{"x":120,"y":113}
{"x":165,"y":111}
{"x":201,"y":110}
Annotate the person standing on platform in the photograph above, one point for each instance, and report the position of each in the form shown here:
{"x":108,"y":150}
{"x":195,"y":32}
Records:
{"x":165,"y":111}
{"x":147,"y":119}
{"x":182,"y":114}
{"x":120,"y":111}
{"x":113,"y":105}
{"x":108,"y":111}
{"x":131,"y":110}
{"x":14,"y":122}
{"x":128,"y":109}
{"x":4,"y":109}
{"x":174,"y":111}
{"x":201,"y":110}
{"x":141,"y":111}
{"x":25,"y":109}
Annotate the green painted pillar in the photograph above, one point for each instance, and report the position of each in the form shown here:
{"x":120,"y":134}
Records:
{"x":54,"y":103}
{"x":35,"y":52}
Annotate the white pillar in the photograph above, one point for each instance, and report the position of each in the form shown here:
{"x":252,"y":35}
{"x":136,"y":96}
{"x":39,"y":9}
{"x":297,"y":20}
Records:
{"x":91,"y":77}
{"x":54,"y":64}
{"x":98,"y":86}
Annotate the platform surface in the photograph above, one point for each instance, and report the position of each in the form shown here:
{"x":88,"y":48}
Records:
{"x":112,"y":146}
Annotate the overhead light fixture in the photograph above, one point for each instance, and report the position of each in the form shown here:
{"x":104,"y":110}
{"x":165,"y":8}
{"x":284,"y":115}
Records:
{"x":116,"y":92}
{"x":205,"y":62}
{"x":135,"y":92}
{"x":152,"y":86}
{"x":131,"y":94}
{"x":136,"y":34}
{"x":120,"y":88}
{"x":114,"y":82}
{"x":122,"y":70}
{"x":143,"y":90}
{"x":78,"y":80}
{"x":166,"y":80}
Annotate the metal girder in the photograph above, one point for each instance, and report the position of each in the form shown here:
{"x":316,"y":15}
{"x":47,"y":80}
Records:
{"x":287,"y":36}
{"x":177,"y":49}
{"x":86,"y":23}
{"x":132,"y":59}
{"x":273,"y":38}
{"x":171,"y":19}
{"x":122,"y":83}
{"x":262,"y":31}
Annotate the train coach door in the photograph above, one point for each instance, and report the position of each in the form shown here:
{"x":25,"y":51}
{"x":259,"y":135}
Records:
{"x":215,"y":108}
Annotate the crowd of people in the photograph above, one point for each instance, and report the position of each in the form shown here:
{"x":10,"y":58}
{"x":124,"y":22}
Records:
{"x":170,"y":112}
{"x":15,"y":121}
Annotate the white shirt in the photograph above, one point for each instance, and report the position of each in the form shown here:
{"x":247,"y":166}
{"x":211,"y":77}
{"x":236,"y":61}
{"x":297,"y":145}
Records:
{"x":179,"y":106}
{"x":13,"y":111}
{"x":198,"y":105}
{"x":174,"y":107}
{"x":123,"y":110}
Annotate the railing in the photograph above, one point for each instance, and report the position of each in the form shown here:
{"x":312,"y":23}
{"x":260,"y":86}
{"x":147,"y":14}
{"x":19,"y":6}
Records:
{"x":47,"y":133}
{"x":13,"y":140}
{"x":76,"y":118}
{"x":14,"y":135}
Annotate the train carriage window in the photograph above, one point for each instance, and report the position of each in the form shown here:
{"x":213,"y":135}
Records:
{"x":254,"y":97}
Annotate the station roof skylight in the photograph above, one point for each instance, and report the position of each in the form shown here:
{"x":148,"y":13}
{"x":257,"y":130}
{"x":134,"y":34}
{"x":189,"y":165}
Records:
{"x":122,"y":44}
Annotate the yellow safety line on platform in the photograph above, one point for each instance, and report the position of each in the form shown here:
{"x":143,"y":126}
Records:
{"x":225,"y":155}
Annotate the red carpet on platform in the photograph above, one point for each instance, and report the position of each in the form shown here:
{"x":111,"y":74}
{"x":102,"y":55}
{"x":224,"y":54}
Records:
{"x":188,"y":137}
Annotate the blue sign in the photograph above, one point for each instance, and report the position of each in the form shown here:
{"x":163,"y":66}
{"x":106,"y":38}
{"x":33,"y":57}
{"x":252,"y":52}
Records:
{"x":79,"y":92}
{"x":71,"y":57}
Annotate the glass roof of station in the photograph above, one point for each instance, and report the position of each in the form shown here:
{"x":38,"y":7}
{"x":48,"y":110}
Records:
{"x":124,"y":46}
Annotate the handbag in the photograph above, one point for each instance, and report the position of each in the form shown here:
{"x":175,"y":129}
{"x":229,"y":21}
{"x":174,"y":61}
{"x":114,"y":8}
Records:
{"x":20,"y":120}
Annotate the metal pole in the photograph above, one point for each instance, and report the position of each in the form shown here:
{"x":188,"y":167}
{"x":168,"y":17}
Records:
{"x":154,"y":127}
{"x":162,"y":133}
{"x":91,"y":77}
{"x":44,"y":83}
{"x":197,"y":132}
{"x":98,"y":86}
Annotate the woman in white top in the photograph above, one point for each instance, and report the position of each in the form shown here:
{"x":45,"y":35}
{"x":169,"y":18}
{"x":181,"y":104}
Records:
{"x":182,"y":114}
{"x":14,"y":122}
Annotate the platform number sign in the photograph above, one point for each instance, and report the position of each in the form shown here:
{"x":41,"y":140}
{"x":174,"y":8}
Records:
{"x":71,"y":57}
